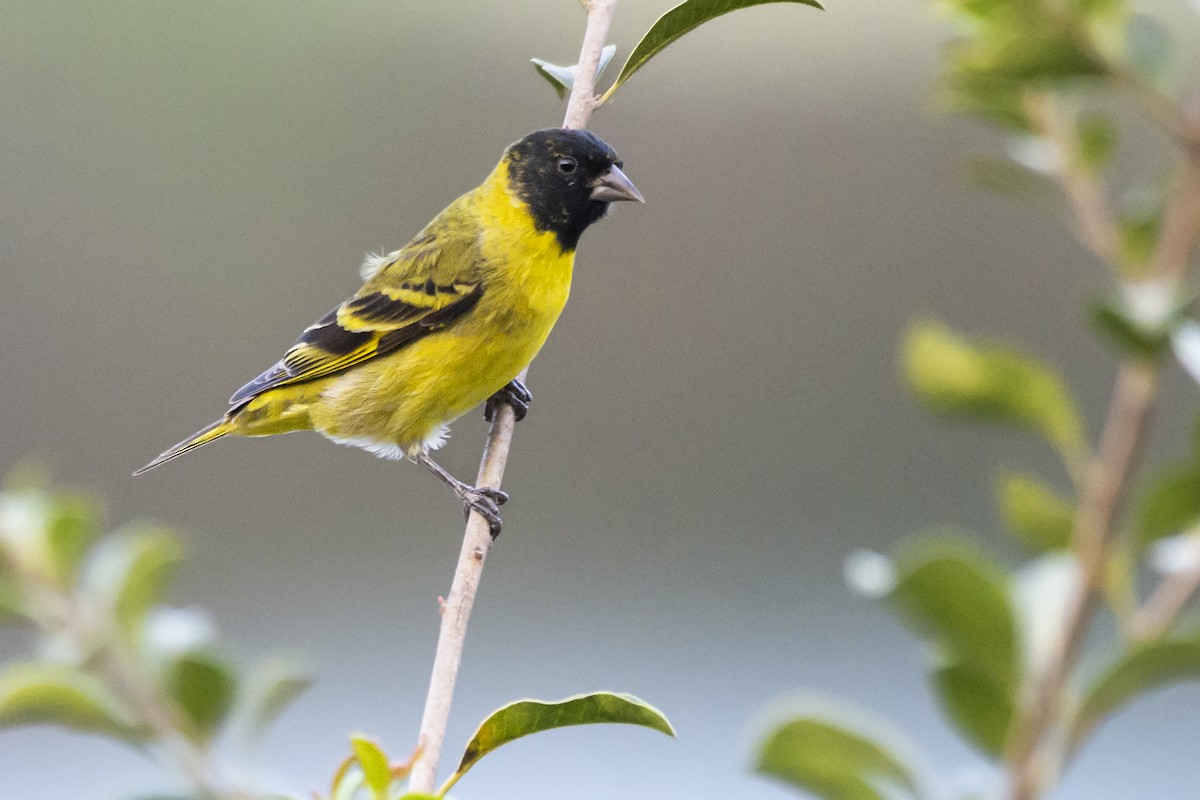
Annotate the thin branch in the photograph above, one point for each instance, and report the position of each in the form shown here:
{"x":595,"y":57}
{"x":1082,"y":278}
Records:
{"x":1104,"y":489}
{"x":1034,"y":758}
{"x":477,"y":540}
{"x":1094,"y":220}
{"x":1172,"y":595}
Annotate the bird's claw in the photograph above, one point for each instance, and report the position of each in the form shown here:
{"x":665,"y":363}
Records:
{"x":486,"y":502}
{"x":515,"y":394}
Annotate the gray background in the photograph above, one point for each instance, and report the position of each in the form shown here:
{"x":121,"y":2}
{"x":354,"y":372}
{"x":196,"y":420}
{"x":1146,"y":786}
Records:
{"x":717,"y":423}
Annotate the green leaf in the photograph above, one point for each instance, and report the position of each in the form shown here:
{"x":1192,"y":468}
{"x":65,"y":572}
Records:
{"x":70,"y":531}
{"x":681,"y":19}
{"x":1147,"y":45}
{"x":203,"y":686}
{"x":374,"y":765}
{"x":1130,"y":336}
{"x":977,"y":705}
{"x":560,"y":77}
{"x":1097,"y":142}
{"x":524,"y":717}
{"x":56,"y":694}
{"x":1142,"y":669}
{"x":1036,"y":515}
{"x":833,"y":761}
{"x":563,"y":78}
{"x":272,"y":687}
{"x":12,"y":604}
{"x":130,"y":572}
{"x":992,"y":383}
{"x":1005,"y":176}
{"x":958,"y":602}
{"x":1171,"y":503}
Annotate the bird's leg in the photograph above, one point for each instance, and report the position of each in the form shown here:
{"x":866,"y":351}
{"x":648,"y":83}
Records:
{"x":515,"y":394}
{"x":483,"y":499}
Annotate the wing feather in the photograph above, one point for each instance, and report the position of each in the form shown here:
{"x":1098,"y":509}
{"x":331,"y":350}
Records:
{"x":423,"y":288}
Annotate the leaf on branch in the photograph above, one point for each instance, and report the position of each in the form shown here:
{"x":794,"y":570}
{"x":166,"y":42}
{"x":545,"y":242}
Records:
{"x":1034,"y":513}
{"x":958,"y":602}
{"x":992,"y":383}
{"x":1140,"y":670}
{"x":563,"y":78}
{"x":681,"y":19}
{"x":1097,"y":141}
{"x":524,"y":717}
{"x":978,"y":706}
{"x":203,"y":687}
{"x":70,"y":531}
{"x":828,"y":758}
{"x":12,"y":604}
{"x":32,"y":693}
{"x":271,"y":688}
{"x":1007,"y":177}
{"x":1130,"y":336}
{"x":374,"y":765}
{"x":129,"y":573}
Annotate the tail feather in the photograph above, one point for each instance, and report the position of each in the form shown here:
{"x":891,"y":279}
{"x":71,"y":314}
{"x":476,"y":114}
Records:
{"x":201,"y":437}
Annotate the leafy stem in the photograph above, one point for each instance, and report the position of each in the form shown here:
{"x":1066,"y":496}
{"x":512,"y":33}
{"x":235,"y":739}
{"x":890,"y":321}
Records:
{"x":477,"y":540}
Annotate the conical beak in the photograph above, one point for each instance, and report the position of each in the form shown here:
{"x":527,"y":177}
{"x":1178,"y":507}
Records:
{"x":614,"y":185}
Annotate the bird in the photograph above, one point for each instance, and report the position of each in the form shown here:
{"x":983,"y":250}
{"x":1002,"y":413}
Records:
{"x":446,"y":322}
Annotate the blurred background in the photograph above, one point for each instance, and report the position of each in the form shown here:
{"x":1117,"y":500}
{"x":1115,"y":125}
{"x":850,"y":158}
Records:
{"x":717,"y":422}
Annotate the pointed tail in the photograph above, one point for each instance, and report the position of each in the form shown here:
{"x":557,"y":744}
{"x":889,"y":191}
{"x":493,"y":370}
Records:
{"x":201,"y":437}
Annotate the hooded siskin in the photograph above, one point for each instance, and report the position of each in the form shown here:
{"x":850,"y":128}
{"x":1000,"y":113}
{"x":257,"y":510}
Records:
{"x":446,"y":321}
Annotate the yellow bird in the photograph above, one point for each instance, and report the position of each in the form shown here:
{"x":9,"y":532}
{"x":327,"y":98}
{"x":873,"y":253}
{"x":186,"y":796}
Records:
{"x":444,"y":323}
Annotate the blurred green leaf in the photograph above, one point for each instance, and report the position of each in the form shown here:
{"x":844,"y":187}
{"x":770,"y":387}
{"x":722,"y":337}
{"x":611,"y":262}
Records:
{"x":681,"y":19}
{"x":271,"y":688}
{"x":1097,"y":141}
{"x":1130,"y":336}
{"x":993,"y":383}
{"x":524,"y":717}
{"x":70,"y":532}
{"x":977,"y":705}
{"x":1005,"y":176}
{"x":1145,"y":667}
{"x":203,"y":686}
{"x":129,"y":573}
{"x":833,"y":761}
{"x":958,"y":602}
{"x":1171,"y":503}
{"x":32,"y":693}
{"x":1036,"y":515}
{"x":374,"y":765}
{"x":1147,"y":44}
{"x":12,"y":605}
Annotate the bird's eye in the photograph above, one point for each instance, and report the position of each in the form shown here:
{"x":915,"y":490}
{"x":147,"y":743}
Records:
{"x":567,"y":165}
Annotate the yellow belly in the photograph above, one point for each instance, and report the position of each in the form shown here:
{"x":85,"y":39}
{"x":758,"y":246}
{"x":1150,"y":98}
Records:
{"x":400,"y":403}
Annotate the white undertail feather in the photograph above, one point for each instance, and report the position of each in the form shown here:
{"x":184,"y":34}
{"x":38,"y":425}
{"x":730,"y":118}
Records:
{"x":394,"y":452}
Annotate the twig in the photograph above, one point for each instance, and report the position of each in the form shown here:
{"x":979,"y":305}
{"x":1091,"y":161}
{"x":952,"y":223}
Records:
{"x":1033,"y":758}
{"x":1104,"y":488}
{"x":1168,"y":600}
{"x":477,"y":540}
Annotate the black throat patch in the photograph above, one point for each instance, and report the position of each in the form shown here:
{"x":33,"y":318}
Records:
{"x":560,"y":202}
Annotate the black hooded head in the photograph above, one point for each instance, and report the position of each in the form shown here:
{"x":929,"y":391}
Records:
{"x":567,"y":178}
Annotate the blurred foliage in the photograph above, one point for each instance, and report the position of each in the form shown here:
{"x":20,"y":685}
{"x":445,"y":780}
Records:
{"x":1047,"y":72}
{"x":114,"y":659}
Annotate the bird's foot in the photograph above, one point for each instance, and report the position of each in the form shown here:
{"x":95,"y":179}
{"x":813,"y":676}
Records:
{"x":486,"y":502}
{"x":515,"y":394}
